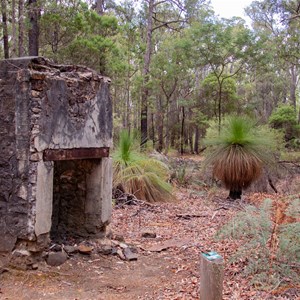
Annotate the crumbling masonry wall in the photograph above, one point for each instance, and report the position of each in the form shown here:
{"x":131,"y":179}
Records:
{"x":51,"y":114}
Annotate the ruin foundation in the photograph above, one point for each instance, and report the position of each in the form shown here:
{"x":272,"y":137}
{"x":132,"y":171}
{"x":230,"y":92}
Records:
{"x":55,"y":136}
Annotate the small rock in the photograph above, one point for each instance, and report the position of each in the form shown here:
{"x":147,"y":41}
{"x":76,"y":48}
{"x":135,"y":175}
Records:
{"x":129,"y":255}
{"x":118,"y":237}
{"x":149,"y":235}
{"x":55,"y":247}
{"x":114,"y":251}
{"x":133,"y":249}
{"x":108,"y":232}
{"x":85,"y":249}
{"x":35,"y":94}
{"x":21,"y":259}
{"x":34,"y":266}
{"x":106,"y":250}
{"x":21,"y":253}
{"x":103,"y":241}
{"x":121,"y":254}
{"x":3,"y":270}
{"x":56,"y":258}
{"x":123,"y":245}
{"x":70,"y":249}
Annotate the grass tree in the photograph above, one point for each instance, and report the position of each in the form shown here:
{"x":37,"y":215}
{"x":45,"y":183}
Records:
{"x":239,"y":152}
{"x":137,"y":174}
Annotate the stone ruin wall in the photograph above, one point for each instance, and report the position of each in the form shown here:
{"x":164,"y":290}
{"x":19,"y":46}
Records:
{"x":45,"y":107}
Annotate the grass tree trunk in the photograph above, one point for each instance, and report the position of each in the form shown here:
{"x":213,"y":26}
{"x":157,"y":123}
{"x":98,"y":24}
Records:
{"x":233,"y":195}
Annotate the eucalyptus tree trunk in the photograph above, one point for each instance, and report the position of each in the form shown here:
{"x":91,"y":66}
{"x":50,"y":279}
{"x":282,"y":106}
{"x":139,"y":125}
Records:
{"x":146,"y":73}
{"x":196,"y":141}
{"x":182,"y":131}
{"x":33,"y":33}
{"x":5,"y":29}
{"x":191,"y":133}
{"x":160,"y":124}
{"x":293,"y":85}
{"x":99,"y":7}
{"x":21,"y":17}
{"x":14,"y":29}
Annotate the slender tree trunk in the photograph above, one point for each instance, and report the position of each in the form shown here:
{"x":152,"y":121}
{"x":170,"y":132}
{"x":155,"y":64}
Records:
{"x":293,"y":85}
{"x":160,"y":124}
{"x":146,"y":73}
{"x":175,"y":111}
{"x":167,"y":143}
{"x":191,"y":144}
{"x":196,"y":141}
{"x":152,"y":130}
{"x":182,"y":132}
{"x":5,"y":29}
{"x":220,"y":105}
{"x":191,"y":131}
{"x":99,"y":7}
{"x":127,"y":110}
{"x":14,"y":29}
{"x":21,"y":28}
{"x":33,"y":33}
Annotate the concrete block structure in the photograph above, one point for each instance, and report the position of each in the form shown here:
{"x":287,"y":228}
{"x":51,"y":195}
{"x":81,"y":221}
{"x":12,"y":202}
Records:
{"x":55,"y":137}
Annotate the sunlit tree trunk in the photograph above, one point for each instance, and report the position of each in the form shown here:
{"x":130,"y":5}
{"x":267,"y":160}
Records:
{"x":196,"y":141}
{"x":160,"y":124}
{"x":33,"y":33}
{"x":146,"y":73}
{"x":99,"y":7}
{"x":14,"y":29}
{"x":182,"y":131}
{"x":5,"y":30}
{"x":21,"y":51}
{"x":293,"y":85}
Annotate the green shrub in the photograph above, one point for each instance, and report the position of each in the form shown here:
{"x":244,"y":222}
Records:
{"x":137,"y":174}
{"x":270,"y":242}
{"x":284,"y":117}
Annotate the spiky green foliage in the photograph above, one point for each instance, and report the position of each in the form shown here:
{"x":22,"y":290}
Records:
{"x":144,"y":177}
{"x":239,"y":151}
{"x":270,"y":242}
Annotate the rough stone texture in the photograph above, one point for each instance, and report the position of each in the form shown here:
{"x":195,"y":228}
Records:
{"x":56,"y":258}
{"x":82,"y":198}
{"x":46,"y":106}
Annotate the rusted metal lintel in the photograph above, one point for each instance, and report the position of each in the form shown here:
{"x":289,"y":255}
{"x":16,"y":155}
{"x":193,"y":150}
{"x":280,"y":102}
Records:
{"x":78,"y":153}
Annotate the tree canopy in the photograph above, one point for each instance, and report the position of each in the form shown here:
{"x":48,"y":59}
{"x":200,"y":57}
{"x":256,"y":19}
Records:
{"x":174,"y":65}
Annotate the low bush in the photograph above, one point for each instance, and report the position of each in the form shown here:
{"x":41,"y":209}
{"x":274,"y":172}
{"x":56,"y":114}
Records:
{"x":136,"y":173}
{"x":270,"y":242}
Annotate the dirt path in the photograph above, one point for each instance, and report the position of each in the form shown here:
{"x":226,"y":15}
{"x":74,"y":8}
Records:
{"x":167,"y":266}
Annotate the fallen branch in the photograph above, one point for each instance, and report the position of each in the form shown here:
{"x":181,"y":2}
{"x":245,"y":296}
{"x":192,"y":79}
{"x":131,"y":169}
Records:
{"x":272,"y":185}
{"x":190,"y":216}
{"x":296,"y":163}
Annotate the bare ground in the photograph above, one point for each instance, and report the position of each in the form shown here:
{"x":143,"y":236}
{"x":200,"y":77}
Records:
{"x":167,"y":266}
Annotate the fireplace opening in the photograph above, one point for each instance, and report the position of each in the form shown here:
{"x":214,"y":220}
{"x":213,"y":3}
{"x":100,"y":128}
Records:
{"x":76,"y":211}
